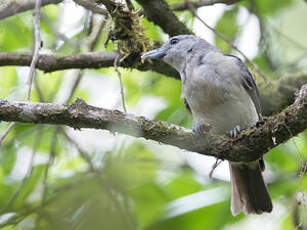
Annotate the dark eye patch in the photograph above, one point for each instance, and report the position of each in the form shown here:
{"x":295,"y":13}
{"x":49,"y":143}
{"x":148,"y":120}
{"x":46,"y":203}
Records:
{"x":174,"y":41}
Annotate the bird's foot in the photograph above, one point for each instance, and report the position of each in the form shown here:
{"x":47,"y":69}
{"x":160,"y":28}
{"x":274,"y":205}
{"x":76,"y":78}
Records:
{"x":201,"y":128}
{"x":235,"y":131}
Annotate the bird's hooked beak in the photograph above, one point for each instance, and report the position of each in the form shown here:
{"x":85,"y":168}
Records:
{"x":155,"y":54}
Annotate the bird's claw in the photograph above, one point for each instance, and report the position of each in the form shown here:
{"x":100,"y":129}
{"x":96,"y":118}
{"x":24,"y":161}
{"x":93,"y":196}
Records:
{"x":201,"y":128}
{"x":235,"y":131}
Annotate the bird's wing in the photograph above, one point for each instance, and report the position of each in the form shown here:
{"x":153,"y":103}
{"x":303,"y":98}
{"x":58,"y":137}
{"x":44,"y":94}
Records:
{"x":187,"y":106}
{"x":249,"y":84}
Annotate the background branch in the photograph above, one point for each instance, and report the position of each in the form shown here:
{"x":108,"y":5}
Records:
{"x":19,"y":6}
{"x":92,"y":6}
{"x":247,"y":147}
{"x":50,"y":63}
{"x":6,"y":132}
{"x":197,"y":4}
{"x":37,"y":46}
{"x":275,"y":95}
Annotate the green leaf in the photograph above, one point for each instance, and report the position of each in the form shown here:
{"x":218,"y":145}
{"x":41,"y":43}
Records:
{"x":29,"y":186}
{"x":203,"y":218}
{"x":14,"y":34}
{"x":145,"y":196}
{"x":183,"y":184}
{"x":8,"y":80}
{"x":227,"y":26}
{"x":271,"y":7}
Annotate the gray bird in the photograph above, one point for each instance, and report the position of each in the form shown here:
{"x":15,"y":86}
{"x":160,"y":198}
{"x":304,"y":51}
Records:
{"x":221,"y":94}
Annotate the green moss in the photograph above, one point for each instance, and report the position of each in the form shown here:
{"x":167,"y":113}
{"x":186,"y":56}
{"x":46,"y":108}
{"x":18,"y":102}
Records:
{"x":131,"y":36}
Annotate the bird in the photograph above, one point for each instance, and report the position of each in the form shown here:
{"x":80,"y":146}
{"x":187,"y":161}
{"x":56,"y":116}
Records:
{"x":220,"y":93}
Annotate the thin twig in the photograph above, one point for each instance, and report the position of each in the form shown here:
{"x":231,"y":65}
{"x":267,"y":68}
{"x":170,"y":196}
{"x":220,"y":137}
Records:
{"x":183,"y":6}
{"x":290,"y":40}
{"x":75,"y":85}
{"x":18,"y":6}
{"x":28,"y":173}
{"x":82,"y":153}
{"x":91,"y":47}
{"x":6,"y":132}
{"x":55,"y":30}
{"x":20,"y":216}
{"x":37,"y":46}
{"x":255,"y":67}
{"x":92,"y":6}
{"x":94,"y":42}
{"x":50,"y":162}
{"x":264,"y":45}
{"x":303,"y":169}
{"x":38,"y":90}
{"x":120,"y":82}
{"x":109,"y":190}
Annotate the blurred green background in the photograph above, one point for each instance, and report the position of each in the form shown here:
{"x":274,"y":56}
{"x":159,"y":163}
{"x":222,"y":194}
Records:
{"x":59,"y":178}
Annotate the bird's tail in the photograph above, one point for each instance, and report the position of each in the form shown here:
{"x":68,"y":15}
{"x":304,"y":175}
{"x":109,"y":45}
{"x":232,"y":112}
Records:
{"x":248,"y":190}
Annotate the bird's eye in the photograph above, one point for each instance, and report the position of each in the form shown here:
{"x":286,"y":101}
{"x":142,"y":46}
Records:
{"x":174,"y":41}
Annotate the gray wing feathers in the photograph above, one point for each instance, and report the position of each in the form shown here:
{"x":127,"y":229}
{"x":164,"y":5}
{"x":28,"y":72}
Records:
{"x":249,"y":84}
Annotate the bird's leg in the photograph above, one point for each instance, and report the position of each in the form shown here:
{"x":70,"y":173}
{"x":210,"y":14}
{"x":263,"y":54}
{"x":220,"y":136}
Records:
{"x":235,"y":131}
{"x":199,"y":128}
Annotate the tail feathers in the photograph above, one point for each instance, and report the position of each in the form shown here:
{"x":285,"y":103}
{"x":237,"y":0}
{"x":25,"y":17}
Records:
{"x":249,"y":192}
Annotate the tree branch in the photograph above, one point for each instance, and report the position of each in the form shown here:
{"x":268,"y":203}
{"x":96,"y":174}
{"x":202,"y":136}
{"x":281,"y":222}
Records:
{"x":92,"y":6}
{"x":37,"y":47}
{"x":247,"y":147}
{"x":15,"y":7}
{"x":185,"y":5}
{"x":50,"y":63}
{"x":274,"y":95}
{"x":158,"y":12}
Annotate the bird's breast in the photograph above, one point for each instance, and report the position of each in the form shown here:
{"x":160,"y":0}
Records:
{"x":221,"y":104}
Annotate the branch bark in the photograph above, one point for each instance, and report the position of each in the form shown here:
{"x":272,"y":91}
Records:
{"x":247,"y":147}
{"x":185,"y":5}
{"x":15,"y":7}
{"x":50,"y":63}
{"x":92,"y":6}
{"x":274,"y":95}
{"x":158,"y":12}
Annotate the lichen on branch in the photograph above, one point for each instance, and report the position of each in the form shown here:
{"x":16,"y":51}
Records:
{"x":248,"y":146}
{"x":128,"y":32}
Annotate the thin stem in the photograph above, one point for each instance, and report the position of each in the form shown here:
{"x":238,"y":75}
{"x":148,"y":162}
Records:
{"x":120,"y":82}
{"x":28,"y":173}
{"x":37,"y":46}
{"x":50,"y":162}
{"x":6,"y":132}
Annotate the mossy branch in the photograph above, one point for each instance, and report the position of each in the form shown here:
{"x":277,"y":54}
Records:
{"x":248,"y":146}
{"x":274,"y":95}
